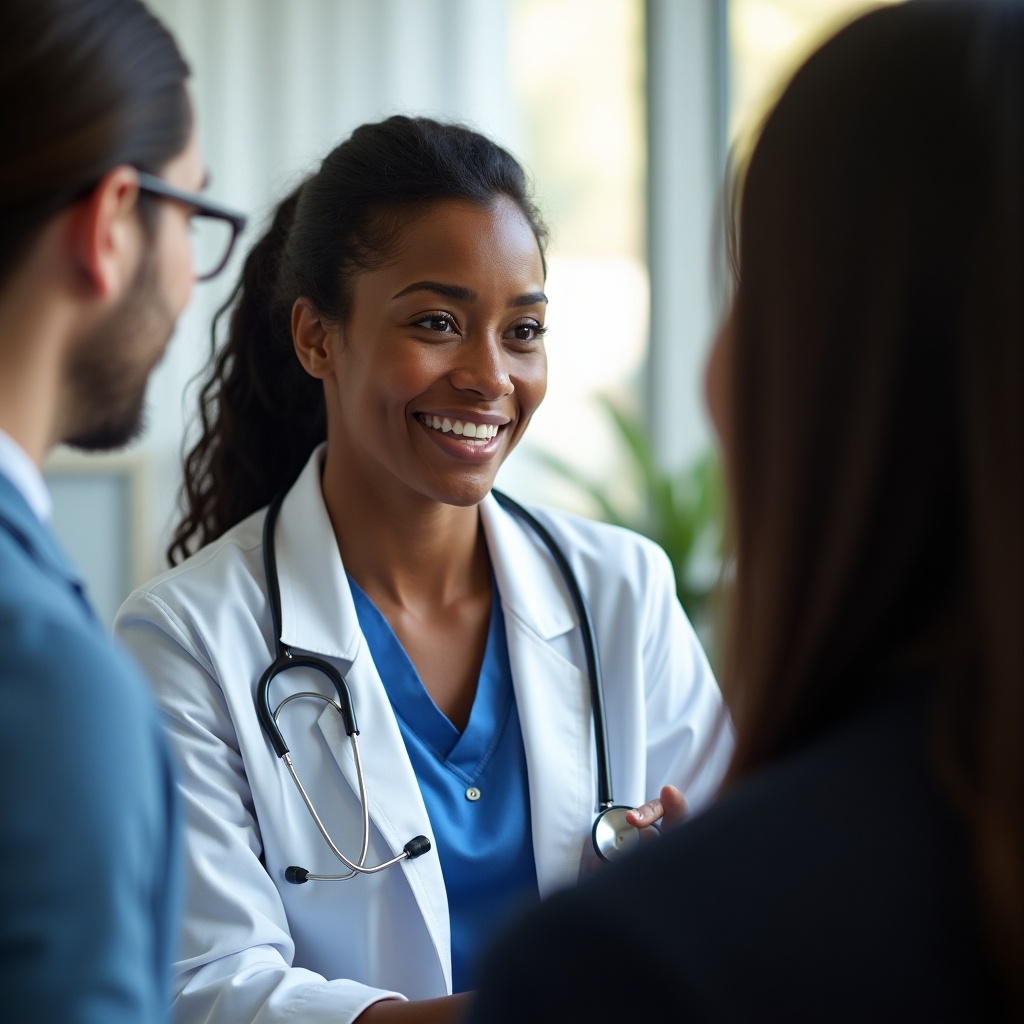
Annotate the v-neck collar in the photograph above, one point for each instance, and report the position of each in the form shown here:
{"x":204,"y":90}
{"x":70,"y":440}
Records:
{"x":466,"y":753}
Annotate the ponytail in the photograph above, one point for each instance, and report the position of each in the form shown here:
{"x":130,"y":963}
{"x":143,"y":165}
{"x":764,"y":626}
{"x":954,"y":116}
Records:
{"x":261,"y":413}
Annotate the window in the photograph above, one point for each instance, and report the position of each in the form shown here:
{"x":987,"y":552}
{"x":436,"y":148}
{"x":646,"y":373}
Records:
{"x":577,"y":76}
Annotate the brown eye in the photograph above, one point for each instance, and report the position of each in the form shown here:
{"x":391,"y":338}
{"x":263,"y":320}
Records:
{"x":436,"y":323}
{"x":528,"y":332}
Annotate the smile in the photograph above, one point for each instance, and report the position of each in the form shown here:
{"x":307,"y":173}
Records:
{"x":462,"y":428}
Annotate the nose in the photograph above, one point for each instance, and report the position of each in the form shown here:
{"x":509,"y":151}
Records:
{"x":483,"y":369}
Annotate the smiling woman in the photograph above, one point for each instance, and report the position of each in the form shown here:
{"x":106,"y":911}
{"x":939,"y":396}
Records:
{"x":385,"y":355}
{"x":449,"y":329}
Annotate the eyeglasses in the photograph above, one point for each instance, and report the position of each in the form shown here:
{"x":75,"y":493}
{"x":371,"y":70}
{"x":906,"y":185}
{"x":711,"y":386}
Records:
{"x":214,"y":227}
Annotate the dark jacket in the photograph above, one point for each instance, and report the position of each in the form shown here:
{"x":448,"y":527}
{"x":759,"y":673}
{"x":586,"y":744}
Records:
{"x":834,"y":885}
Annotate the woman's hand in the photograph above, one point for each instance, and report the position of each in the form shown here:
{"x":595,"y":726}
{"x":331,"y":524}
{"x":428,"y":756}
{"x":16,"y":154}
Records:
{"x":443,"y":1010}
{"x":669,"y":808}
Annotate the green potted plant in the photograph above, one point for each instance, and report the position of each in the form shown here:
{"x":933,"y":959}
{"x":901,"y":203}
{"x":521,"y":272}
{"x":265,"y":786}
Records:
{"x":681,"y":511}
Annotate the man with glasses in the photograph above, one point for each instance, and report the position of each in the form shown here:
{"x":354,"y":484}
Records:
{"x":99,"y":179}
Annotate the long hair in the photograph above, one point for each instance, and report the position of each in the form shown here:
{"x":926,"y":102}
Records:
{"x":261,"y":414}
{"x":85,"y":86}
{"x":876,"y":411}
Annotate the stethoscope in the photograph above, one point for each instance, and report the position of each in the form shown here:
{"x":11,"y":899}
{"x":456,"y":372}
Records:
{"x":611,"y":835}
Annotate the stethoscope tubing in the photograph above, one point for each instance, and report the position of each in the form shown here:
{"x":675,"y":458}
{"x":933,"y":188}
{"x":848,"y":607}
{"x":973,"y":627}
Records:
{"x":285,"y":659}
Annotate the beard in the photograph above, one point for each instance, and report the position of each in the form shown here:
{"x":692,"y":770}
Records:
{"x":108,"y":370}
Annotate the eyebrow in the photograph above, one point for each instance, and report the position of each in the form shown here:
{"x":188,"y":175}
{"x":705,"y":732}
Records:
{"x":462,"y":294}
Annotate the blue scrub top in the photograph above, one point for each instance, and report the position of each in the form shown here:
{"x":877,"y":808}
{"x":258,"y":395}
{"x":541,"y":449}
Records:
{"x":474,"y":785}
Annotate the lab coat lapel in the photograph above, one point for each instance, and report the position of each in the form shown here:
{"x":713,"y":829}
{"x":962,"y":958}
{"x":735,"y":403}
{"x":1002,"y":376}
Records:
{"x":552,"y":697}
{"x":316,"y":606}
{"x":392,"y":791}
{"x":318,"y":615}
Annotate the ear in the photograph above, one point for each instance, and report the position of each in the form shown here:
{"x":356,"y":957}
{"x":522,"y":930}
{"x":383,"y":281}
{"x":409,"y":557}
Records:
{"x":106,"y":234}
{"x":315,"y":343}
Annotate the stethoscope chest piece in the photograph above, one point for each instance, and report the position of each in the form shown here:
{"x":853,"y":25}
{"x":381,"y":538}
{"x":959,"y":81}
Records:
{"x":613,"y":836}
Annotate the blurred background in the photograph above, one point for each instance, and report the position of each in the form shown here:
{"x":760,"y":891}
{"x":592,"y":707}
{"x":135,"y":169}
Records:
{"x":622,"y":110}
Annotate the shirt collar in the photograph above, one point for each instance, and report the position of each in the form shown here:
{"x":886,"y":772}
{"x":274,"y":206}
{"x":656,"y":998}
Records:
{"x":16,"y":465}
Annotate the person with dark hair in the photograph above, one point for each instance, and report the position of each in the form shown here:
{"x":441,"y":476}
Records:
{"x":384,"y":355}
{"x":865,"y":859}
{"x":98,"y":168}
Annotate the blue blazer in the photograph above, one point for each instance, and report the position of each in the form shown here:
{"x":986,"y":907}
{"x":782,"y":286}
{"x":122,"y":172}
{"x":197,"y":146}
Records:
{"x":89,"y":831}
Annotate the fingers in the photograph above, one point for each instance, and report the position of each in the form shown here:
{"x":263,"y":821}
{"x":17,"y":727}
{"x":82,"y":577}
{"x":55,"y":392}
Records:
{"x":669,"y":808}
{"x":646,"y":814}
{"x":675,"y":806}
{"x":666,"y":810}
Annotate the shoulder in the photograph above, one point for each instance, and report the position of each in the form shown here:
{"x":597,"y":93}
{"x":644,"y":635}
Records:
{"x":70,"y":686}
{"x":78,"y":716}
{"x":603,"y":548}
{"x":234,"y":552}
{"x":585,"y":533}
{"x":232,"y":564}
{"x":211,"y":606}
{"x":28,"y":585}
{"x":64,"y":678}
{"x":55,"y":650}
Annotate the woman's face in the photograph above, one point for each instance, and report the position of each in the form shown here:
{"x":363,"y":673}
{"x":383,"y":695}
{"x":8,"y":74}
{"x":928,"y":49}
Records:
{"x":441,"y":362}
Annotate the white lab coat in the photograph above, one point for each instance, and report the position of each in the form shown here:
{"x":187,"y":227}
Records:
{"x":257,"y":948}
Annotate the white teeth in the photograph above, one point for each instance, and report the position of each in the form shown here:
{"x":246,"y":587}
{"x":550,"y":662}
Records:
{"x":463,"y":428}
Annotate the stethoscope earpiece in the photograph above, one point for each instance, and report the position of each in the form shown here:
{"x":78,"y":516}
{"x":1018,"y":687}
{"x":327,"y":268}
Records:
{"x":416,"y":847}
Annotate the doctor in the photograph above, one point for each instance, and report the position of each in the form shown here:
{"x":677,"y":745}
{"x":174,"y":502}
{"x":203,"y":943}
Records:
{"x":385,"y":354}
